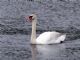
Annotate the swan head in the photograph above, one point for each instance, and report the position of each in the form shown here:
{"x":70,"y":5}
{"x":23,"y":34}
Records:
{"x":31,"y":17}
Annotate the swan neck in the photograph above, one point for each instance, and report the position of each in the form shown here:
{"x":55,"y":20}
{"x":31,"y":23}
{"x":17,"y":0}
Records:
{"x":33,"y":34}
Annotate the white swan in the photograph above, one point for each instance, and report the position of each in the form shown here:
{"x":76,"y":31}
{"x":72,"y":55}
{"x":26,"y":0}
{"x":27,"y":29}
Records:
{"x":46,"y":37}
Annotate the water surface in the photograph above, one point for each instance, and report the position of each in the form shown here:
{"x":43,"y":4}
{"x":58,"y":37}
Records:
{"x":18,"y":47}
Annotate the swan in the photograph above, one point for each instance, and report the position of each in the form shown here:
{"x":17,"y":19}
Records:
{"x":49,"y":37}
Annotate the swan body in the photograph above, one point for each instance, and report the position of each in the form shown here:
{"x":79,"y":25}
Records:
{"x":50,"y":38}
{"x":46,"y":37}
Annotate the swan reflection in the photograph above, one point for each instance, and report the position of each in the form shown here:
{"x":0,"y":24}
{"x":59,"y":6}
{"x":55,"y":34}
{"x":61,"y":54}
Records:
{"x":43,"y":52}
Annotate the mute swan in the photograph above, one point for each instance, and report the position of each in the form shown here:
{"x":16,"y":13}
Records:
{"x":46,"y":37}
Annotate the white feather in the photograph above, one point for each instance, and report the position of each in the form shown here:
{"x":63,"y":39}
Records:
{"x":46,"y":37}
{"x":50,"y":38}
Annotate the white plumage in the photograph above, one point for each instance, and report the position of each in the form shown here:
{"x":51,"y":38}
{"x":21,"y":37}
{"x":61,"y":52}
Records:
{"x":50,"y":38}
{"x":46,"y":37}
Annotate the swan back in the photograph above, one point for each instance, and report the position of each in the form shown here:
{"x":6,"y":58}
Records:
{"x":50,"y":38}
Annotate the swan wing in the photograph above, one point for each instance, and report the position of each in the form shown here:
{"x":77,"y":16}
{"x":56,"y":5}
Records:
{"x":50,"y":38}
{"x":59,"y":39}
{"x":43,"y":38}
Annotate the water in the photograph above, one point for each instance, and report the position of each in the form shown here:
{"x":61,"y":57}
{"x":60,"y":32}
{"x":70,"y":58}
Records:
{"x":61,"y":15}
{"x":57,"y":15}
{"x":18,"y":47}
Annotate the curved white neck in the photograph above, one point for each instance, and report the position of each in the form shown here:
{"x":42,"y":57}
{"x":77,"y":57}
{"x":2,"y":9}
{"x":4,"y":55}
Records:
{"x":33,"y":34}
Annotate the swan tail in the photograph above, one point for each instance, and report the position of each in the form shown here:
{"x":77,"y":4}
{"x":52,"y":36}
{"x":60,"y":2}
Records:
{"x":61,"y":38}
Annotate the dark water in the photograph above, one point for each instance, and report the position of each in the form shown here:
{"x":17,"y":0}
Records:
{"x":17,"y":47}
{"x":58,"y":15}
